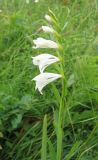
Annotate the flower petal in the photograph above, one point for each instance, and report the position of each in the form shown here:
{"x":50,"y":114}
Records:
{"x":47,"y":29}
{"x":48,"y":18}
{"x":45,"y":78}
{"x":44,"y":43}
{"x":44,"y":60}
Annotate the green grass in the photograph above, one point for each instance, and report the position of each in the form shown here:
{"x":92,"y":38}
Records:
{"x":22,"y":109}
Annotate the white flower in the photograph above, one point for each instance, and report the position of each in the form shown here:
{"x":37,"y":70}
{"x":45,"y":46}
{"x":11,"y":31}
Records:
{"x":44,"y":60}
{"x":27,"y":1}
{"x":45,"y":78}
{"x":47,"y":29}
{"x":36,"y":1}
{"x":48,"y":18}
{"x":44,"y":43}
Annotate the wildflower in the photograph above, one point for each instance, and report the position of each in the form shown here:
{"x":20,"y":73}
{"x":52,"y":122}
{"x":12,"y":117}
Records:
{"x":48,"y":18}
{"x":47,"y":29}
{"x":44,"y":60}
{"x":27,"y":1}
{"x":44,"y":43}
{"x":45,"y":78}
{"x":36,"y":1}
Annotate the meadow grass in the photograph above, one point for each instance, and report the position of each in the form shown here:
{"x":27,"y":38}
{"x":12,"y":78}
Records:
{"x":22,"y":109}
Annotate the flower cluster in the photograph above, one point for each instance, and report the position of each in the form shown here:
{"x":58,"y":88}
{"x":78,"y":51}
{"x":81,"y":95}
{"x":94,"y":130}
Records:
{"x":44,"y":60}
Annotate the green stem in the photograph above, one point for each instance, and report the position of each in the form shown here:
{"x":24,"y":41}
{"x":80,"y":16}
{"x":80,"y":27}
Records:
{"x":61,"y":116}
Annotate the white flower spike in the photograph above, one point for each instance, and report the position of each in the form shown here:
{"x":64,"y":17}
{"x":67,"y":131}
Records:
{"x":45,"y":78}
{"x":44,"y":43}
{"x":47,"y":29}
{"x":44,"y":60}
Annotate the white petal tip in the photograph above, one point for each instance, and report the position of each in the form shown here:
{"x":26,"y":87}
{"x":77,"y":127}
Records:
{"x":34,"y":47}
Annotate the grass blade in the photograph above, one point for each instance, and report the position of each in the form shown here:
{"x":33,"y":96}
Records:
{"x":52,"y":152}
{"x":44,"y":140}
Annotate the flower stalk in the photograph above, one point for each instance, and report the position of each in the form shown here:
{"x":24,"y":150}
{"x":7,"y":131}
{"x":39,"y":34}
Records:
{"x":45,"y":60}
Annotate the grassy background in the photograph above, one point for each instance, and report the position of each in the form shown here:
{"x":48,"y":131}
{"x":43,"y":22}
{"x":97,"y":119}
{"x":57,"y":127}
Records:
{"x":21,"y":108}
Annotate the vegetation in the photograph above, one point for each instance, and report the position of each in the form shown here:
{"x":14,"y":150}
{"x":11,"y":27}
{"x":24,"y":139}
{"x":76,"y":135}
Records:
{"x":28,"y":120}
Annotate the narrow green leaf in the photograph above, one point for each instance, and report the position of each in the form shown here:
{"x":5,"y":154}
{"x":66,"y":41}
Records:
{"x":52,"y":15}
{"x":52,"y":152}
{"x":1,"y":135}
{"x":44,"y":140}
{"x":59,"y":142}
{"x":56,"y":93}
{"x":55,"y":122}
{"x":73,"y":150}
